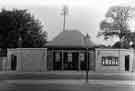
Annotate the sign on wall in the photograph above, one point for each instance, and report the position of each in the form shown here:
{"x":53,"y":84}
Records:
{"x":110,"y":61}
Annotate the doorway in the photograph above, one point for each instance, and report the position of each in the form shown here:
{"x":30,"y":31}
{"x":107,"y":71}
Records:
{"x":127,"y":63}
{"x":57,"y":61}
{"x":13,"y":62}
{"x":84,"y":63}
{"x":75,"y":61}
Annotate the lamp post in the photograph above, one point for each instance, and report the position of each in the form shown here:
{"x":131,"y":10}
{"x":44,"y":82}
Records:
{"x":20,"y":45}
{"x":131,"y":44}
{"x":87,"y":57}
{"x":20,"y":42}
{"x":132,"y":50}
{"x":87,"y":65}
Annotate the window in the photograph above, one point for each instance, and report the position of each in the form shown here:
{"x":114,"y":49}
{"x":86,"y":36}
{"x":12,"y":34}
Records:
{"x":13,"y":62}
{"x":110,"y":61}
{"x":81,"y":56}
{"x":69,"y":57}
{"x":57,"y":55}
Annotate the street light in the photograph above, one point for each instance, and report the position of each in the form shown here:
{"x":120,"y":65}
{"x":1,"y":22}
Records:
{"x":130,"y":43}
{"x":87,"y":65}
{"x":20,"y":42}
{"x":87,"y":57}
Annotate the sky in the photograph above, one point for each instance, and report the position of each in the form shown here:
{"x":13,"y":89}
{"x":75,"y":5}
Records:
{"x":84,"y":15}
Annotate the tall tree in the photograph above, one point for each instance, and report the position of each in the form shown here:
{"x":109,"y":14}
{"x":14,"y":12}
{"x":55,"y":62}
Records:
{"x":118,"y":23}
{"x":20,"y":25}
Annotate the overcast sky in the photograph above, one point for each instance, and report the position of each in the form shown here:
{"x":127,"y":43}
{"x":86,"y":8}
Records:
{"x":84,"y":15}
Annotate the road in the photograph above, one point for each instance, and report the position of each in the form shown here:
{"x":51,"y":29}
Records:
{"x":66,"y":81}
{"x":66,"y":75}
{"x":38,"y":85}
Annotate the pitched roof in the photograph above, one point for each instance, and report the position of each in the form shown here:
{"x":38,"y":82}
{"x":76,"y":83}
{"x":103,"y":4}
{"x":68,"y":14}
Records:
{"x":70,"y":39}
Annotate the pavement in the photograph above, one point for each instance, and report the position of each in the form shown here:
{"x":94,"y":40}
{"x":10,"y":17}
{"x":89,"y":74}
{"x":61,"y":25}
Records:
{"x":73,"y":82}
{"x":66,"y":85}
{"x":68,"y":75}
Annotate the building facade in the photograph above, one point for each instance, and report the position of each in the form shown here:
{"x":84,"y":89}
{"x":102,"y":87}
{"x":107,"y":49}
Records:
{"x":70,"y":50}
{"x":70,"y":59}
{"x":27,"y":60}
{"x":115,"y":60}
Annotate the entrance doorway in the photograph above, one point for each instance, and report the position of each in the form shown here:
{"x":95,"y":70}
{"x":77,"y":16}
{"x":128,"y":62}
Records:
{"x":127,"y":63}
{"x":70,"y":61}
{"x":13,"y":62}
{"x":57,"y":64}
{"x":75,"y":61}
{"x":84,"y":63}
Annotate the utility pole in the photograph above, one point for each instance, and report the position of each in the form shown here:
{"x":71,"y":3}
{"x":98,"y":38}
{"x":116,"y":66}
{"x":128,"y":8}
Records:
{"x":64,"y":13}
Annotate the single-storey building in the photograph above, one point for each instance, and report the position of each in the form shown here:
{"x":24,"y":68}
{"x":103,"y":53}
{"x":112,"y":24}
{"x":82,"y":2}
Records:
{"x":27,"y":60}
{"x":115,"y":60}
{"x":70,"y":51}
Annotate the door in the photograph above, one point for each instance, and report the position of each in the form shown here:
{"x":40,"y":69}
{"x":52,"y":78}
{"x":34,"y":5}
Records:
{"x":127,"y":63}
{"x":84,"y":62}
{"x":13,"y":62}
{"x":75,"y":61}
{"x":57,"y":64}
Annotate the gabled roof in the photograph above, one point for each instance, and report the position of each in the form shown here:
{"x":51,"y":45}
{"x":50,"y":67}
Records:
{"x":70,"y":39}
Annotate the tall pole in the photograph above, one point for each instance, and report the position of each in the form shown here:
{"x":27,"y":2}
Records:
{"x":20,"y":45}
{"x":20,"y":42}
{"x":86,"y":38}
{"x":87,"y":65}
{"x":64,"y":13}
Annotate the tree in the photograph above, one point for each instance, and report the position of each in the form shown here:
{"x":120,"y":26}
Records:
{"x":117,"y":23}
{"x":118,"y":44}
{"x":20,"y":24}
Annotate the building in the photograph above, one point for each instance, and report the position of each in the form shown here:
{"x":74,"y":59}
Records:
{"x":115,"y":60}
{"x":27,"y":60}
{"x":70,"y":50}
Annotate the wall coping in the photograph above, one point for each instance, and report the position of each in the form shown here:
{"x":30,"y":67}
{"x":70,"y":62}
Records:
{"x":111,"y":49}
{"x":27,"y":49}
